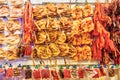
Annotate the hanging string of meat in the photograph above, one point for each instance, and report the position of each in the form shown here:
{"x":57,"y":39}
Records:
{"x":28,"y":27}
{"x":102,"y":44}
{"x":113,"y":11}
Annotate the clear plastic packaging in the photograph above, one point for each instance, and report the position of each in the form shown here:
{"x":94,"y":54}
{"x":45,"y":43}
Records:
{"x":45,"y":74}
{"x":12,"y":39}
{"x":16,"y":11}
{"x":2,"y":73}
{"x":37,"y":73}
{"x":9,"y":73}
{"x":28,"y":73}
{"x":2,"y":25}
{"x":67,"y":73}
{"x":11,"y":52}
{"x":3,"y":1}
{"x":16,"y":2}
{"x":54,"y":73}
{"x":2,"y":53}
{"x":4,"y":10}
{"x":2,"y":37}
{"x":13,"y":26}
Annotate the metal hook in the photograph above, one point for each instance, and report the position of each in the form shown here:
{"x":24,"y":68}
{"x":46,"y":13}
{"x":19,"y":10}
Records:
{"x":86,"y":2}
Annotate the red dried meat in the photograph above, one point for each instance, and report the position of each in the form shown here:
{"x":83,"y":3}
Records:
{"x":98,"y":73}
{"x":45,"y":73}
{"x":36,"y":74}
{"x":67,"y":73}
{"x":80,"y":73}
{"x":55,"y":75}
{"x":9,"y":72}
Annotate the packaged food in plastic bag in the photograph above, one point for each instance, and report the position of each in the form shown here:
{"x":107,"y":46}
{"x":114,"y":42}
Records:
{"x":4,"y":10}
{"x":61,"y":72}
{"x":2,"y":73}
{"x":2,"y":25}
{"x":81,"y":73}
{"x":13,"y":26}
{"x":9,"y":73}
{"x":74,"y":72}
{"x":12,"y":39}
{"x":28,"y":73}
{"x":67,"y":73}
{"x":54,"y":73}
{"x":16,"y":12}
{"x":45,"y":73}
{"x":3,"y":1}
{"x":37,"y":73}
{"x":2,"y":37}
{"x":11,"y":52}
{"x":2,"y":53}
{"x":16,"y":2}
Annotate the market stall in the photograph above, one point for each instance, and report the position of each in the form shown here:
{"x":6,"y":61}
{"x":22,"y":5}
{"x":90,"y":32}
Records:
{"x":59,"y":41}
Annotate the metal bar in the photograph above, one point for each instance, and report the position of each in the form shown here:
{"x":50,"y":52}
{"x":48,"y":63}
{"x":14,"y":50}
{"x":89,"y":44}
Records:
{"x":70,"y":2}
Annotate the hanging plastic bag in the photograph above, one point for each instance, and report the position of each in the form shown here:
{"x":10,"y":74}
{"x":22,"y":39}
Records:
{"x":37,"y":73}
{"x":74,"y":72}
{"x":10,"y":73}
{"x":67,"y":73}
{"x":45,"y":73}
{"x":28,"y":73}
{"x":61,"y":72}
{"x":54,"y":74}
{"x":80,"y":73}
{"x":2,"y":73}
{"x":17,"y":73}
